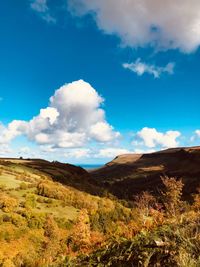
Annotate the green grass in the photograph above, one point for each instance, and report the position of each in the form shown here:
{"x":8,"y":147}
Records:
{"x":20,"y":169}
{"x":9,"y":181}
{"x":19,"y":194}
{"x":55,"y":208}
{"x":67,"y":212}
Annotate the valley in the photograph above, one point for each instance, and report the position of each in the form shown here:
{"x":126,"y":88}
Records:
{"x":128,"y":212}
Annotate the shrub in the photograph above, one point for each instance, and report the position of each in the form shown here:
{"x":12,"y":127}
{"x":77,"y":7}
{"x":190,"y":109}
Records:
{"x":172,"y":195}
{"x":23,"y":186}
{"x":30,"y":201}
{"x":7,"y":203}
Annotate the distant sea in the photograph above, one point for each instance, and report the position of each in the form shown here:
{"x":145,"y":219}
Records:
{"x":90,"y":166}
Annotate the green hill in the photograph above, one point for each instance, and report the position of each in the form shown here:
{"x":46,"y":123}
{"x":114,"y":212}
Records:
{"x":36,"y":195}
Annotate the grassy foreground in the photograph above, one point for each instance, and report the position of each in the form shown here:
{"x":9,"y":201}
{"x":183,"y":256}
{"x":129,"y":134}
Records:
{"x":44,"y":222}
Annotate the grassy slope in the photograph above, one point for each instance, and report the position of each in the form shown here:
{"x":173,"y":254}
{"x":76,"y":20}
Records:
{"x":9,"y":179}
{"x":19,"y":179}
{"x":33,"y":191}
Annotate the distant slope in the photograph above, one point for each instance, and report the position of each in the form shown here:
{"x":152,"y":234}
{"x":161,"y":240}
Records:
{"x":130,"y":174}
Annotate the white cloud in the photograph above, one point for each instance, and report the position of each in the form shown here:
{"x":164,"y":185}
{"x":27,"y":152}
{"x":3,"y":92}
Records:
{"x":74,"y":117}
{"x":197,"y":132}
{"x":171,"y":24}
{"x":47,"y":149}
{"x":103,"y":132}
{"x":140,"y":68}
{"x":195,"y":136}
{"x":25,"y":150}
{"x":10,"y":132}
{"x":41,"y":7}
{"x":78,"y":153}
{"x":49,"y":113}
{"x":5,"y":150}
{"x":151,"y":138}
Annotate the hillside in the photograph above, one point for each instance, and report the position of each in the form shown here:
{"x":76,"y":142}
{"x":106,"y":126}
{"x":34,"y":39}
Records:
{"x":128,"y":175}
{"x":40,"y":210}
{"x":67,"y":174}
{"x":48,"y":218}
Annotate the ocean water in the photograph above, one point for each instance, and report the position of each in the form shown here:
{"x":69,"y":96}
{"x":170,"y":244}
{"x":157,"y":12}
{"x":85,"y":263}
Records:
{"x":90,"y":166}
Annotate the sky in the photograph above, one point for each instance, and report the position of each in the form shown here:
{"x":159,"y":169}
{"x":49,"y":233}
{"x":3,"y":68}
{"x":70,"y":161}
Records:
{"x":83,"y":81}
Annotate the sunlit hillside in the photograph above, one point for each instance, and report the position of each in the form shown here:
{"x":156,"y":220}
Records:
{"x":44,"y":222}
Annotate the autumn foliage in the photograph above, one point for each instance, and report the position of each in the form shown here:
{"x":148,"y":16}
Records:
{"x":160,"y":230}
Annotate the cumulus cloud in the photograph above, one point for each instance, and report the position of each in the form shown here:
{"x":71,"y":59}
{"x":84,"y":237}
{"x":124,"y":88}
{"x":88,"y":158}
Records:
{"x":74,"y":117}
{"x":10,"y":132}
{"x":41,"y":7}
{"x":172,"y":24}
{"x":140,"y":68}
{"x":103,"y":132}
{"x":49,"y":113}
{"x":151,"y":138}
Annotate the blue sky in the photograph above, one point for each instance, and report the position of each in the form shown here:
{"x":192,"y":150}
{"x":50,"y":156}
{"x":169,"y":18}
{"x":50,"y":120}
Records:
{"x":148,"y":77}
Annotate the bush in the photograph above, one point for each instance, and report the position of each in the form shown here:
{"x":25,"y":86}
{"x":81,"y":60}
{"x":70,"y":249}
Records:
{"x":7,"y":203}
{"x":30,"y":201}
{"x":23,"y":186}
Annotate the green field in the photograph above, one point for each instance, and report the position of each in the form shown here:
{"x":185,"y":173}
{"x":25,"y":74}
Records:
{"x":9,"y":181}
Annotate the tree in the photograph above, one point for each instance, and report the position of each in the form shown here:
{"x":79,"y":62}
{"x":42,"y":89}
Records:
{"x":51,"y":247}
{"x":172,"y":195}
{"x":81,"y":231}
{"x":144,"y":203}
{"x":51,"y":228}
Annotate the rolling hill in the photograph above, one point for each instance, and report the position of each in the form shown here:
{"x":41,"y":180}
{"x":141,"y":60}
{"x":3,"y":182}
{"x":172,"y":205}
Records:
{"x":129,"y":174}
{"x":54,"y":214}
{"x":43,"y":207}
{"x":66,"y":174}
